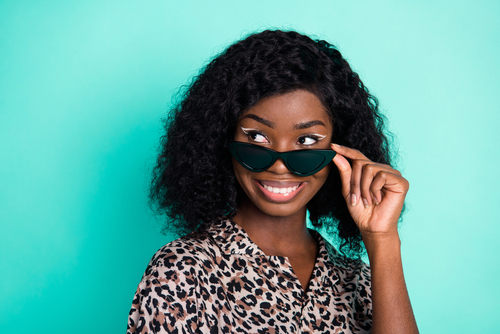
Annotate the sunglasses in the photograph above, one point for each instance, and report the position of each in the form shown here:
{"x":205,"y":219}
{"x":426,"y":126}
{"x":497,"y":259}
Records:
{"x":257,"y":159}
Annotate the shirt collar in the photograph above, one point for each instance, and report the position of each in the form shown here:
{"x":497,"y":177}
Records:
{"x":232,"y":239}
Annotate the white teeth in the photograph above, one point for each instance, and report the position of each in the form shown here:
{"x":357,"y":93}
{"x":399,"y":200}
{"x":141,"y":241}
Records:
{"x":277,"y":190}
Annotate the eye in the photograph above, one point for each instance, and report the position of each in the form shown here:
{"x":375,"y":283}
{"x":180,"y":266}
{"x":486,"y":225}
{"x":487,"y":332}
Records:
{"x":307,"y":140}
{"x":257,"y":137}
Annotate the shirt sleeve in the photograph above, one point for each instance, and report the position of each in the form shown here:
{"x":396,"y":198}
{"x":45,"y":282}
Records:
{"x":363,"y":302}
{"x":165,"y":302}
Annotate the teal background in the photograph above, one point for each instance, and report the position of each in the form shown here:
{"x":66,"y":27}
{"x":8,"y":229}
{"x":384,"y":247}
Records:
{"x":83,"y":85}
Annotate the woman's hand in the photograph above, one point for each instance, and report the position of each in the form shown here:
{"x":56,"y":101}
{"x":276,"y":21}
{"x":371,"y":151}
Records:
{"x":374,"y":192}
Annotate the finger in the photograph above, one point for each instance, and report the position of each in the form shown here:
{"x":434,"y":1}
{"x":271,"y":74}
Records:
{"x":376,"y":186}
{"x":366,"y":178}
{"x":349,"y":152}
{"x":357,"y":171}
{"x":375,"y":200}
{"x":345,"y":171}
{"x":385,"y":182}
{"x":353,"y":154}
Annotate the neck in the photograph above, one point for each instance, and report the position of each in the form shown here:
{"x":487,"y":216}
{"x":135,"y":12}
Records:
{"x":281,"y":236}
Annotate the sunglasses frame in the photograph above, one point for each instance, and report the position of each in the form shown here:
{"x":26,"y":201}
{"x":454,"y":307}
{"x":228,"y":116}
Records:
{"x":327,"y":154}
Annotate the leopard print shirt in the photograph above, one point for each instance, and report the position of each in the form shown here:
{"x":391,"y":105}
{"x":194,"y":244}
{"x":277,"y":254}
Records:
{"x":218,"y":281}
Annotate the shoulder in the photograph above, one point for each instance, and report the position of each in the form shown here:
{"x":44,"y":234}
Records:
{"x":345,"y":263}
{"x":333,"y":258}
{"x":187,"y":255}
{"x":353,"y":274}
{"x":167,"y":296}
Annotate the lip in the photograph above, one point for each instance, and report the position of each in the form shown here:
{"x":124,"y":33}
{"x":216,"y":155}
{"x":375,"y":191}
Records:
{"x":277,"y":197}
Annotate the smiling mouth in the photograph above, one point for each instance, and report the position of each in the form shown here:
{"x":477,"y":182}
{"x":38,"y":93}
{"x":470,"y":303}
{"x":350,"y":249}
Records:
{"x":279,"y":191}
{"x":283,"y":191}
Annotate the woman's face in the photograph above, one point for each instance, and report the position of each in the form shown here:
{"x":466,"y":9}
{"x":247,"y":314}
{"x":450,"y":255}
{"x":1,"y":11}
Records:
{"x":292,"y":121}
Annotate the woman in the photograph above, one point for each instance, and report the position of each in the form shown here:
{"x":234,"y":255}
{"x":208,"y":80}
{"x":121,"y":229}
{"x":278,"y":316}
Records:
{"x":246,"y":154}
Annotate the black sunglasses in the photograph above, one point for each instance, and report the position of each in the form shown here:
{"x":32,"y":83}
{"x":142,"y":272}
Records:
{"x":257,"y":159}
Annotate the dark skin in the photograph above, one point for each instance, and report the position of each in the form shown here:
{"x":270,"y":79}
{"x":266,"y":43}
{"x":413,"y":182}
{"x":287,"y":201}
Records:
{"x":281,"y":238}
{"x":283,"y":123}
{"x":274,"y":212}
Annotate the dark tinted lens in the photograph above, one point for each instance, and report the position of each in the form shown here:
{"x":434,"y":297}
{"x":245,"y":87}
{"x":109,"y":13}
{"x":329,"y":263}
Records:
{"x":305,"y":162}
{"x":254,"y":157}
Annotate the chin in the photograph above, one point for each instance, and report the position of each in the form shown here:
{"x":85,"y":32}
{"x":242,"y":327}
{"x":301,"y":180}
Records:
{"x":281,"y":210}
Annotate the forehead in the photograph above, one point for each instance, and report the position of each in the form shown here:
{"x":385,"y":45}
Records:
{"x":289,"y":109}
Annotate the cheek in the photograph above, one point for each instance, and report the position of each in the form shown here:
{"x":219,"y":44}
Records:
{"x":239,"y":172}
{"x":236,"y":170}
{"x":321,"y":176}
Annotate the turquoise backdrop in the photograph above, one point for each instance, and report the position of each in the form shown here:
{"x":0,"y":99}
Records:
{"x":83,"y":85}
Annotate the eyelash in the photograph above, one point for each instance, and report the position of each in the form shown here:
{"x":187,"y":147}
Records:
{"x":251,"y":135}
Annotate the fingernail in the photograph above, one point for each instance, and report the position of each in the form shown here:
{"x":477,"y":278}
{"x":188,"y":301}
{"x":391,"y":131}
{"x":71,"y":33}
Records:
{"x":353,"y":199}
{"x":365,"y":202}
{"x":336,"y":145}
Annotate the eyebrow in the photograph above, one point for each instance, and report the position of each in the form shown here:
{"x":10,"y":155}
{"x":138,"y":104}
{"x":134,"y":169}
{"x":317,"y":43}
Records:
{"x":272,"y":125}
{"x":306,"y":125}
{"x":260,"y":120}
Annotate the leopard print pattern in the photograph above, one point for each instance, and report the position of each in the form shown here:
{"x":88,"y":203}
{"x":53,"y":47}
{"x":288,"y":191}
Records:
{"x":218,"y":281}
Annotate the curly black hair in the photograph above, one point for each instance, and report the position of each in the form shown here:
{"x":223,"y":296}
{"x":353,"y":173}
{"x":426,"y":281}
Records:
{"x":193,"y":181}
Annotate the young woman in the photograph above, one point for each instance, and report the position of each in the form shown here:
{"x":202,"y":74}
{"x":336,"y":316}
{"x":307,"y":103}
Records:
{"x":276,"y":126}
